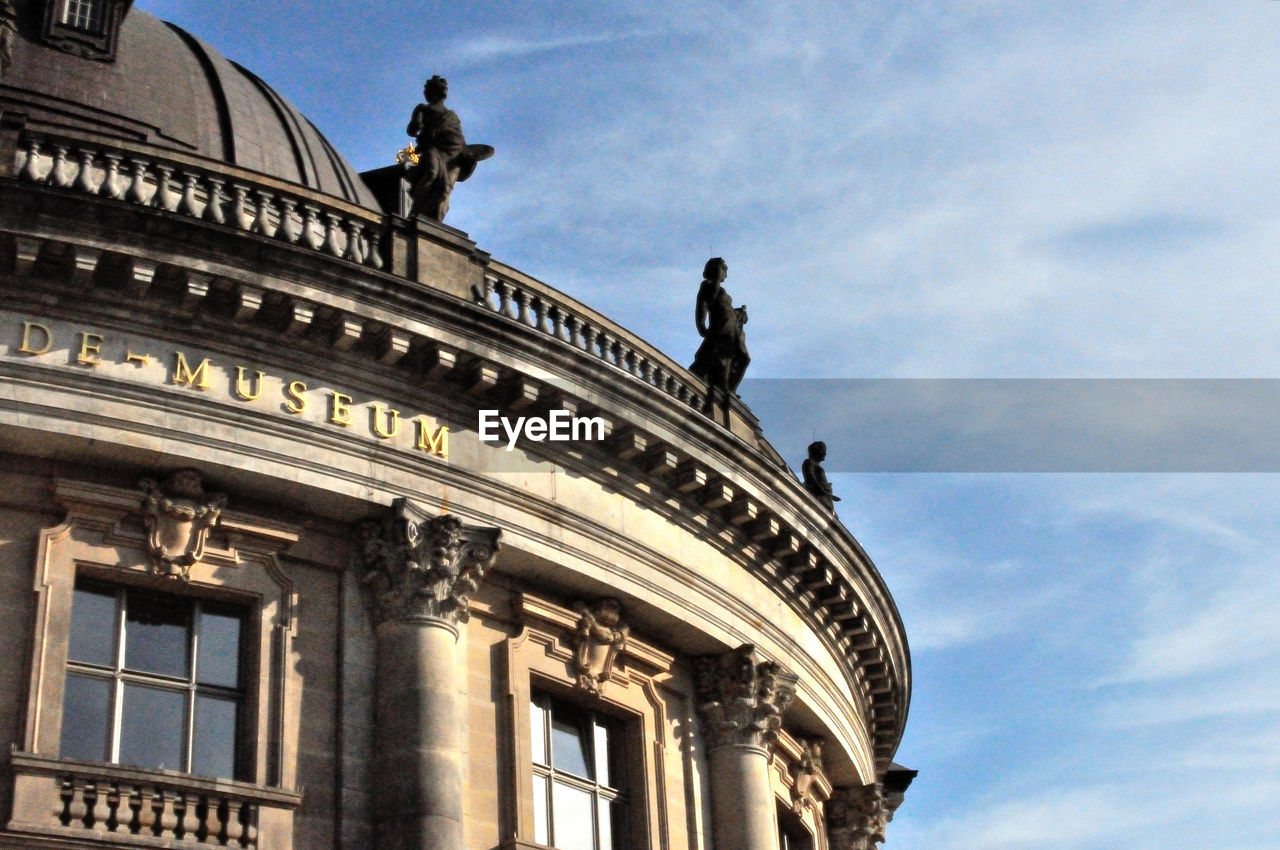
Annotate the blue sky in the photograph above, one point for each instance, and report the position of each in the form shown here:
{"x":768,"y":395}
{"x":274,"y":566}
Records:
{"x":976,"y":189}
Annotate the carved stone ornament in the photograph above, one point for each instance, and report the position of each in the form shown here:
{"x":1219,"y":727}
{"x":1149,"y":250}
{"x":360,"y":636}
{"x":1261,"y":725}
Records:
{"x":178,"y":515}
{"x":600,"y":637}
{"x":856,"y":818}
{"x":741,"y":698}
{"x":8,"y":34}
{"x":807,"y":772}
{"x":423,"y":568}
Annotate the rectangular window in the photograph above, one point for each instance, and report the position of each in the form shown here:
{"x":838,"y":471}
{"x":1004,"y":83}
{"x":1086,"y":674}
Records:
{"x":83,"y":14}
{"x":791,"y":832}
{"x":153,"y":681}
{"x":577,"y":799}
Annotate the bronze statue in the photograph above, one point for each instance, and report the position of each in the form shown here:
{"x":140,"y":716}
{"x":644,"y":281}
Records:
{"x":440,"y":156}
{"x":722,"y":357}
{"x":815,"y":477}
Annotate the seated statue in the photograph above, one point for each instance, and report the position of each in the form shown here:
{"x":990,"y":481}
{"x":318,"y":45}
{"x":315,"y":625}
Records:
{"x":722,"y":358}
{"x":815,"y":477}
{"x":442,"y":155}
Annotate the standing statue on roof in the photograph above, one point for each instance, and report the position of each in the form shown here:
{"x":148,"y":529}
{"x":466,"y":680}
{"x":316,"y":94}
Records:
{"x":722,"y":358}
{"x":440,"y":155}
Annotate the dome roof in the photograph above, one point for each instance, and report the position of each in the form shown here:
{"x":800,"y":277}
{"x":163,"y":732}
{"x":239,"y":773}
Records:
{"x":168,"y":88}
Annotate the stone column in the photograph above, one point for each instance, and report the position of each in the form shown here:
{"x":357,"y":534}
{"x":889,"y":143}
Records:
{"x":857,"y":817}
{"x":421,"y":572}
{"x":741,"y":699}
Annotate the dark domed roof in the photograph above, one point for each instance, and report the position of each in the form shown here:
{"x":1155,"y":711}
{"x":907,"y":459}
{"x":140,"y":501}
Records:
{"x":167,"y":88}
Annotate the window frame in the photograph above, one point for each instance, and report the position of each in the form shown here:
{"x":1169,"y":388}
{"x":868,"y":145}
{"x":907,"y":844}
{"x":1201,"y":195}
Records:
{"x":103,"y":540}
{"x":646,"y":696}
{"x":98,"y":40}
{"x":118,"y":674}
{"x":83,"y":15}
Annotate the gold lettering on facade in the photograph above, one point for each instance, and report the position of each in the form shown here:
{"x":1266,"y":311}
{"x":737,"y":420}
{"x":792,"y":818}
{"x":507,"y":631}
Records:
{"x":139,"y":359}
{"x":27,"y":328}
{"x":376,"y":417}
{"x":90,"y":349}
{"x":437,"y":444}
{"x":339,"y":408}
{"x":296,"y":402}
{"x":183,"y":374}
{"x":248,"y":391}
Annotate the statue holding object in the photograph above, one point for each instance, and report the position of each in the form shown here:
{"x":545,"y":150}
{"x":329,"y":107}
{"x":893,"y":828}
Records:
{"x":722,"y":358}
{"x":440,"y":155}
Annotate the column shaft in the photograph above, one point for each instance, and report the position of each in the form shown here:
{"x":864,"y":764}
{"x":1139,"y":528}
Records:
{"x":744,"y":815}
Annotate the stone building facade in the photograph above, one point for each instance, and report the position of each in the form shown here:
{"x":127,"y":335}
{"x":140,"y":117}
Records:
{"x":264,"y":586}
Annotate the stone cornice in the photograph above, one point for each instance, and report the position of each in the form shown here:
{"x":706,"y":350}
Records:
{"x":400,"y":331}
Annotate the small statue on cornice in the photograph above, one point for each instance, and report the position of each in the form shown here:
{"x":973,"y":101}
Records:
{"x":178,"y":515}
{"x":807,"y":772}
{"x":815,"y":477}
{"x":600,"y":637}
{"x":440,"y":155}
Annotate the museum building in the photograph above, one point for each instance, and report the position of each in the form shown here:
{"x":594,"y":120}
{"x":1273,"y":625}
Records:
{"x":264,"y":586}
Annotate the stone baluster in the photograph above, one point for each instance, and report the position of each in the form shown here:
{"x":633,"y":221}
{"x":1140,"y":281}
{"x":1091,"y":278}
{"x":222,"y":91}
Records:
{"x":100,"y":811}
{"x":111,"y":187}
{"x":147,"y":815}
{"x":521,"y":297}
{"x":556,"y":315}
{"x":168,"y":812}
{"x":312,"y":231}
{"x":740,"y":700}
{"x":573,"y":325}
{"x":373,"y":248}
{"x":240,"y":215}
{"x":189,"y":822}
{"x":84,"y":177}
{"x":164,"y":198}
{"x":58,"y":174}
{"x":540,"y":315}
{"x":420,"y":572}
{"x":249,"y":822}
{"x":354,"y":252}
{"x":588,"y":338}
{"x":189,"y":205}
{"x":331,"y":231}
{"x":504,"y":297}
{"x":262,"y":221}
{"x":137,"y":191}
{"x":605,"y":342}
{"x":213,"y":209}
{"x":289,"y":229}
{"x":78,"y":807}
{"x":31,"y":168}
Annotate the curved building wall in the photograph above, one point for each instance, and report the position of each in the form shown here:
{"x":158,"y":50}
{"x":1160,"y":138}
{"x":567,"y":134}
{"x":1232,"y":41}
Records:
{"x":260,"y":403}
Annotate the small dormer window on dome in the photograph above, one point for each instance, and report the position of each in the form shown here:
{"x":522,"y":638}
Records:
{"x":88,"y":28}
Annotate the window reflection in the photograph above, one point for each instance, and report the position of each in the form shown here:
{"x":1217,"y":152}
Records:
{"x":152,"y":681}
{"x":572,"y":750}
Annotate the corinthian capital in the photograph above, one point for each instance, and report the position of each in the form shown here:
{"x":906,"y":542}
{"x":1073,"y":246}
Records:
{"x":857,"y":817}
{"x":418,"y":567}
{"x":741,"y":698}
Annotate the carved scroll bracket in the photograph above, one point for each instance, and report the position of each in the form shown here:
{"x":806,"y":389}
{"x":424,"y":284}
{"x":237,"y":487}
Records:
{"x":857,"y":818}
{"x":808,"y":774}
{"x":741,"y":698}
{"x":418,"y":567}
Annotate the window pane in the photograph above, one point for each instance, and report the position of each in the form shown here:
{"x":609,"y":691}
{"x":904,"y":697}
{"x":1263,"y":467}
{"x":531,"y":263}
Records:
{"x":601,"y":752}
{"x":573,"y":823}
{"x":568,"y":749}
{"x":93,"y":626}
{"x":155,"y":637}
{"x":540,"y":831}
{"x":86,"y":708}
{"x":151,"y":727}
{"x":219,"y":657}
{"x":213,"y":752}
{"x":538,"y":732}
